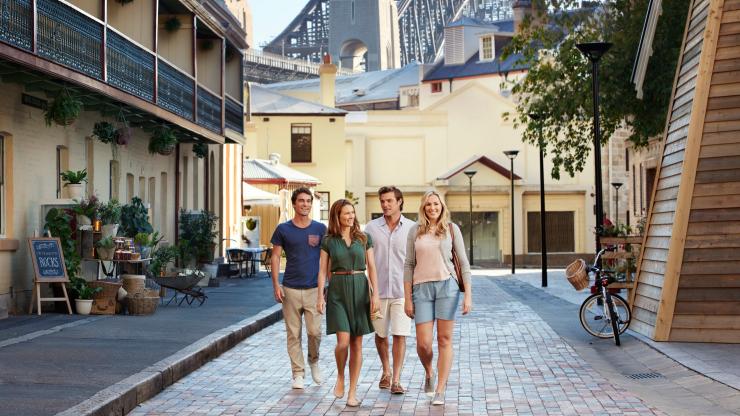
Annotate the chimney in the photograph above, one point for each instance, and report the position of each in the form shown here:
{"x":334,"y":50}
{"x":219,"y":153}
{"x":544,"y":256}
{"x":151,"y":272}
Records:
{"x":521,"y":9}
{"x":327,"y":79}
{"x":274,"y":158}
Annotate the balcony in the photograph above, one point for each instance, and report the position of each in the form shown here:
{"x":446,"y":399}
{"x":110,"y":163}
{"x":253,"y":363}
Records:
{"x":74,"y":39}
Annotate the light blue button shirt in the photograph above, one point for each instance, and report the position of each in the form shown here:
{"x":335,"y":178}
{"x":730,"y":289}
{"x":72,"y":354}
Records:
{"x":389,"y":249}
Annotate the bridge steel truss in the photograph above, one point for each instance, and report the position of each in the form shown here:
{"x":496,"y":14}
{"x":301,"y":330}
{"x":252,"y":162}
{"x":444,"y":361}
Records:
{"x":421,"y":26}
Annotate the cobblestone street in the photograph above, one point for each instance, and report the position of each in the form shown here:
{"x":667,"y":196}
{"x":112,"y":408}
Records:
{"x":508,"y":361}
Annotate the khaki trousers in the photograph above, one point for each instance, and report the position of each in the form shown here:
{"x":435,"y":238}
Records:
{"x":298,"y":302}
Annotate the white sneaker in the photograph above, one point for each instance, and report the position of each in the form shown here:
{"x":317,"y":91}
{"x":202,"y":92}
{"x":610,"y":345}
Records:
{"x":298,"y":382}
{"x":316,"y":374}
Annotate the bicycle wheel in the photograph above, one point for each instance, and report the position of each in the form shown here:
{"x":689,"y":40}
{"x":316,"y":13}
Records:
{"x":592,"y":317}
{"x":594,"y":320}
{"x":613,"y":318}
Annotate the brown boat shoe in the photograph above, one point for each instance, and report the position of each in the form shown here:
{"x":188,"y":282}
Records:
{"x":385,"y":381}
{"x":397,"y":388}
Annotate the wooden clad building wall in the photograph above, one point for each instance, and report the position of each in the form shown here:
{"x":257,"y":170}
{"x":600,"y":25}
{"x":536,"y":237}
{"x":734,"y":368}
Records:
{"x":708,"y":299}
{"x":652,"y":264}
{"x":688,"y":284}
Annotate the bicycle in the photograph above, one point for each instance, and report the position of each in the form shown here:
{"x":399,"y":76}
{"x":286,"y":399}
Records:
{"x":603,"y":314}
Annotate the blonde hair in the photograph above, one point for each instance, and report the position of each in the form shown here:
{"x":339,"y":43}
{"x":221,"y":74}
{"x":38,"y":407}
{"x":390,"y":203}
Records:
{"x":335,"y":228}
{"x":425,"y":225}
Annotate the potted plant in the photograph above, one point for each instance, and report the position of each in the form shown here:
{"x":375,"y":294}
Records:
{"x":84,"y":294}
{"x":74,"y":181}
{"x":161,"y":258}
{"x":200,"y":150}
{"x":64,"y":110}
{"x":106,"y":248}
{"x":124,"y":131}
{"x":145,"y":242}
{"x":135,"y":218}
{"x":163,"y":141}
{"x":87,"y":211}
{"x":110,"y":215}
{"x":107,"y":133}
{"x":197,"y":235}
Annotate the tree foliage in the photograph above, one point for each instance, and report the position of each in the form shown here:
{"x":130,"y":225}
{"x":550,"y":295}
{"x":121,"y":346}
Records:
{"x":558,"y":84}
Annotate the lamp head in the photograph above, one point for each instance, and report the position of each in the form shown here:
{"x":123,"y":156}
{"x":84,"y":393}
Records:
{"x":511,"y":154}
{"x":593,"y":50}
{"x":617,"y":184}
{"x":470,"y":173}
{"x":536,"y":116}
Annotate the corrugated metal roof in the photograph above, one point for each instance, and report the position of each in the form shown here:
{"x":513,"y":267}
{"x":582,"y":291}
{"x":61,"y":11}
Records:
{"x":474,"y":67}
{"x":269,"y":102}
{"x":269,"y":171}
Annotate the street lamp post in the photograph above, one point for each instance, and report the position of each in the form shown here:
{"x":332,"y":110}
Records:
{"x":543,"y":214}
{"x":616,"y":186}
{"x":511,"y":154}
{"x":594,"y":51}
{"x":470,"y":173}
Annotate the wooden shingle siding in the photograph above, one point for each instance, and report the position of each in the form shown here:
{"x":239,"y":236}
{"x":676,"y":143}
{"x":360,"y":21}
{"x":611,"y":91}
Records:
{"x":652,"y":264}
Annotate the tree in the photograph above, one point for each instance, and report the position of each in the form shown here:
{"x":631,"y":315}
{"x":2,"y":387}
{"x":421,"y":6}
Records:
{"x":558,"y":82}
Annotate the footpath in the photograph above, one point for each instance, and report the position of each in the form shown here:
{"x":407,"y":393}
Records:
{"x":108,"y":364}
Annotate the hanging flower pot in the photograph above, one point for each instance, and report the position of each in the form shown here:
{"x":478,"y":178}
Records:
{"x":200,"y":150}
{"x":124,"y":135}
{"x":64,"y":110}
{"x":163,"y":141}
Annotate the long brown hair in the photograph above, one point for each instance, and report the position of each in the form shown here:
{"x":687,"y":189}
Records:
{"x":425,"y":225}
{"x":335,"y":229}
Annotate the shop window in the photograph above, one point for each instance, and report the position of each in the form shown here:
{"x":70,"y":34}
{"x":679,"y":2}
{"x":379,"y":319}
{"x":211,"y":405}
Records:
{"x":436,"y":87}
{"x":324,"y":204}
{"x":560,"y":232}
{"x":2,"y":186}
{"x":300,"y":143}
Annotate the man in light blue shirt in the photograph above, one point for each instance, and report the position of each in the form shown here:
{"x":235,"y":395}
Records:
{"x":390,"y":234}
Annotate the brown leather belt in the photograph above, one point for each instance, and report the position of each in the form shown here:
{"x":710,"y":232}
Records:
{"x":348,"y":272}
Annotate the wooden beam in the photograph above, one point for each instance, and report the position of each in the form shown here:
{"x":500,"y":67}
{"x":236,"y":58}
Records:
{"x":674,"y":261}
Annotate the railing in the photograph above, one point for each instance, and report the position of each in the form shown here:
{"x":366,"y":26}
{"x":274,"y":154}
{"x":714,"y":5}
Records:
{"x":175,"y":91}
{"x":234,"y":115}
{"x":209,"y":110}
{"x":130,"y":67}
{"x":16,"y":20}
{"x":281,"y":62}
{"x":70,"y":38}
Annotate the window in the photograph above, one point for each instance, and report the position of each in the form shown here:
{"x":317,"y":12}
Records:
{"x":436,"y":87}
{"x":324,"y":200}
{"x":62,"y":166}
{"x":649,"y":183}
{"x":300,"y":143}
{"x":2,"y":185}
{"x":560,"y":232}
{"x":486,"y":48}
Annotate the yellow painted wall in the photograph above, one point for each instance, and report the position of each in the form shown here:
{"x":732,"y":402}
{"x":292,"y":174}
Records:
{"x":177,"y":47}
{"x":92,"y":7}
{"x":209,"y":65}
{"x":134,"y":19}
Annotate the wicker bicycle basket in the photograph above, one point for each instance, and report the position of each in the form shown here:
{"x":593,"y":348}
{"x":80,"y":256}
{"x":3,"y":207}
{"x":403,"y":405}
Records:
{"x":576,"y":274}
{"x":143,"y":303}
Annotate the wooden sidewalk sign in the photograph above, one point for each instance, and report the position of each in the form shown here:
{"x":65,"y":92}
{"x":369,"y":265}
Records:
{"x":48,"y":267}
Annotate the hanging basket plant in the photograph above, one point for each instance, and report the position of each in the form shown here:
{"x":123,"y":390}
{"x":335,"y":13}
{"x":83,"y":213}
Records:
{"x":200,"y":150}
{"x":163,"y":141}
{"x":124,"y":130}
{"x":105,"y":132}
{"x":172,"y":24}
{"x":64,"y":110}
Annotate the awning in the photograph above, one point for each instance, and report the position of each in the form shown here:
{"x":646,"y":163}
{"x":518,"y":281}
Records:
{"x":256,"y":196}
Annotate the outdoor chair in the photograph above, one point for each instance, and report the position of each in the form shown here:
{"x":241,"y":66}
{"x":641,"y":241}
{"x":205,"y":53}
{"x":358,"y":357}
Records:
{"x":238,"y":257}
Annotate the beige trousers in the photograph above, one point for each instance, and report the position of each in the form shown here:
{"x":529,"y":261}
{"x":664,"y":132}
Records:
{"x":297,"y":303}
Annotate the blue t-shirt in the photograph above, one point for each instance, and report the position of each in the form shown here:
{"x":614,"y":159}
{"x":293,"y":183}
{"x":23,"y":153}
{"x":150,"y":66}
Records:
{"x":302,"y":248}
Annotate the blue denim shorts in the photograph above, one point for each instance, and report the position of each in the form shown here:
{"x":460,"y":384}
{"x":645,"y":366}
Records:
{"x":435,"y":300}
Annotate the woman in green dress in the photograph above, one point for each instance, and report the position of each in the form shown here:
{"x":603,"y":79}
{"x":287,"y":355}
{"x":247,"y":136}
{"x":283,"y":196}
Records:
{"x":347,"y":253}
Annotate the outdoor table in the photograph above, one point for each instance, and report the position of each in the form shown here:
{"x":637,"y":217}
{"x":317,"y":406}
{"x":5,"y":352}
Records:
{"x":115,"y":267}
{"x":253,"y":259}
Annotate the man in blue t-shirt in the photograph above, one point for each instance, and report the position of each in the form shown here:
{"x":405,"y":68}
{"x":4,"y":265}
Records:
{"x":301,"y":240}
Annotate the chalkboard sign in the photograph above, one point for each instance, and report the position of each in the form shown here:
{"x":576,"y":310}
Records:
{"x":47,"y":259}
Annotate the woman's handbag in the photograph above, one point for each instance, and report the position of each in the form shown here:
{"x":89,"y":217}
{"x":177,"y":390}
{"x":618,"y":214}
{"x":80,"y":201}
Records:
{"x":456,"y":262}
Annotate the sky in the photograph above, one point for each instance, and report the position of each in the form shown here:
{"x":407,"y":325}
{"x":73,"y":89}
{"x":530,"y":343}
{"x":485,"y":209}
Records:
{"x":270,"y":17}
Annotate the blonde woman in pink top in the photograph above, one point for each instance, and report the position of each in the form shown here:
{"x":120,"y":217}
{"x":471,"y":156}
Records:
{"x":431,"y":290}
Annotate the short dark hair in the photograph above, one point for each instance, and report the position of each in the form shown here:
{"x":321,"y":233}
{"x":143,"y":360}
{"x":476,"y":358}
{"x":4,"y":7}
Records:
{"x":301,"y":190}
{"x":396,"y":192}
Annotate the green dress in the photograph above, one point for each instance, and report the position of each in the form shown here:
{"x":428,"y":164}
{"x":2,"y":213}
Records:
{"x":348,"y":300}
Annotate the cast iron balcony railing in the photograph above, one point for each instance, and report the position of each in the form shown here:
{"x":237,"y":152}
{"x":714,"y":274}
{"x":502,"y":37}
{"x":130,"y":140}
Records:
{"x":130,"y":67}
{"x":234,"y":115}
{"x":16,"y":20}
{"x":70,"y":38}
{"x":209,"y":110}
{"x":175,"y":91}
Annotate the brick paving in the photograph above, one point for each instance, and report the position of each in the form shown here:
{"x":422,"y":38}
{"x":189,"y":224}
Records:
{"x":508,"y":361}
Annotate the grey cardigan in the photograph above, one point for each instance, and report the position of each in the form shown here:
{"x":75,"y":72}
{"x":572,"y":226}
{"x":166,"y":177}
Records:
{"x":445,"y":251}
